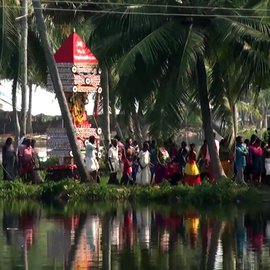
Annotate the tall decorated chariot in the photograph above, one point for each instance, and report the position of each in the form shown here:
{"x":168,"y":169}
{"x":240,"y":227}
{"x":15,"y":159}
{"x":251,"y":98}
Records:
{"x":80,"y":75}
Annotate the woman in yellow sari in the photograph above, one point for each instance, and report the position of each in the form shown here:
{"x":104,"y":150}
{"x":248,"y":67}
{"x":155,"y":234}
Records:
{"x":192,"y":173}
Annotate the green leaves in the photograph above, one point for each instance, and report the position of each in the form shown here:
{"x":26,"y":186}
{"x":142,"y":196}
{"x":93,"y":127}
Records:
{"x":155,"y":56}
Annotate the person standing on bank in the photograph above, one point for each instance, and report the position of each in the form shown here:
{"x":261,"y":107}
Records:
{"x":37,"y":179}
{"x":113,"y":159}
{"x":26,"y":165}
{"x":144,"y":174}
{"x":91,"y":158}
{"x":9,"y":160}
{"x":240,"y":159}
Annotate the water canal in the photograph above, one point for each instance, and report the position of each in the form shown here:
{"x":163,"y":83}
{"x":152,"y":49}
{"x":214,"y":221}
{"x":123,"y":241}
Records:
{"x":106,"y":236}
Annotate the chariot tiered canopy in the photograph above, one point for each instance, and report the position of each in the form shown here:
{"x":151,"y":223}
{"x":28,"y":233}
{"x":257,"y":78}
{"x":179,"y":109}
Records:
{"x":80,"y":75}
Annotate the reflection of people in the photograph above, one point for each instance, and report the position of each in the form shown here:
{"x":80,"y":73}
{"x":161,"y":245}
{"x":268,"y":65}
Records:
{"x":143,"y":217}
{"x":10,"y":222}
{"x":192,"y":225}
{"x":91,"y":158}
{"x":255,"y":231}
{"x":240,"y":232}
{"x":8,"y":160}
{"x":27,"y":222}
{"x":127,"y":230}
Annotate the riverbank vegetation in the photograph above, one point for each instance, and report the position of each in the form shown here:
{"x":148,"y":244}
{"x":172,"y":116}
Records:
{"x":222,"y":192}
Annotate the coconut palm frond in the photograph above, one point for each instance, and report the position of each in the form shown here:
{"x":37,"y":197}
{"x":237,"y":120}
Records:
{"x":37,"y":60}
{"x":9,"y":41}
{"x":249,"y":108}
{"x":158,"y":43}
{"x":169,"y":107}
{"x":257,"y":60}
{"x":192,"y":44}
{"x":227,"y":29}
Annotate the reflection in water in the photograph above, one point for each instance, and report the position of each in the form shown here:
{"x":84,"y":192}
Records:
{"x":134,"y":238}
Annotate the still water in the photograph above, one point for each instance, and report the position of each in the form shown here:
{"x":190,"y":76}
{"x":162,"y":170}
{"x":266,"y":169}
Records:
{"x":107,"y":236}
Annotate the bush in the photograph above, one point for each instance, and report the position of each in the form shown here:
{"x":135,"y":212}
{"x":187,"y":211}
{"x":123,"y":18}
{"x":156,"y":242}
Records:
{"x":222,"y":192}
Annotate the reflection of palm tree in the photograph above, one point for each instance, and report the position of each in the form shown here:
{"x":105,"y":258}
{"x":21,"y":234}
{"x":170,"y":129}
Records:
{"x":227,"y":247}
{"x":203,"y":233}
{"x":216,"y":233}
{"x":106,"y":242}
{"x":77,"y":239}
{"x":25,"y":253}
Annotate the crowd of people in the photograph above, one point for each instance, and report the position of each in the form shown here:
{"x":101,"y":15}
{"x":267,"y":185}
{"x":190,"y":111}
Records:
{"x":246,"y":161}
{"x":152,"y":164}
{"x":22,"y":161}
{"x":148,"y":165}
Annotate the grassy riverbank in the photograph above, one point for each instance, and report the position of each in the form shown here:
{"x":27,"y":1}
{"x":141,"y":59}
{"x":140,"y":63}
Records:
{"x":223,"y":192}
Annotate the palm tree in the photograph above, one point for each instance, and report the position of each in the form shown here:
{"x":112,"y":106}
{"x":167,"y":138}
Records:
{"x":192,"y":33}
{"x":59,"y":91}
{"x":23,"y":62}
{"x":10,"y":51}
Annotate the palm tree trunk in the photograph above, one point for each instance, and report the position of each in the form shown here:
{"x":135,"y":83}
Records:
{"x":106,"y":103}
{"x":265,"y":120}
{"x":235,"y":119}
{"x":130,"y":125}
{"x":144,"y":127}
{"x":24,"y":36}
{"x":14,"y":108}
{"x":57,"y":85}
{"x":207,"y":118}
{"x":29,"y":127}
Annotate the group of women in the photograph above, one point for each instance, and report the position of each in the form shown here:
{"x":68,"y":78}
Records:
{"x":152,"y":164}
{"x":252,"y":160}
{"x":246,"y":161}
{"x":22,"y":161}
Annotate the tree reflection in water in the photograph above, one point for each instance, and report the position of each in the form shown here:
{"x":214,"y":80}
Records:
{"x":134,"y":237}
